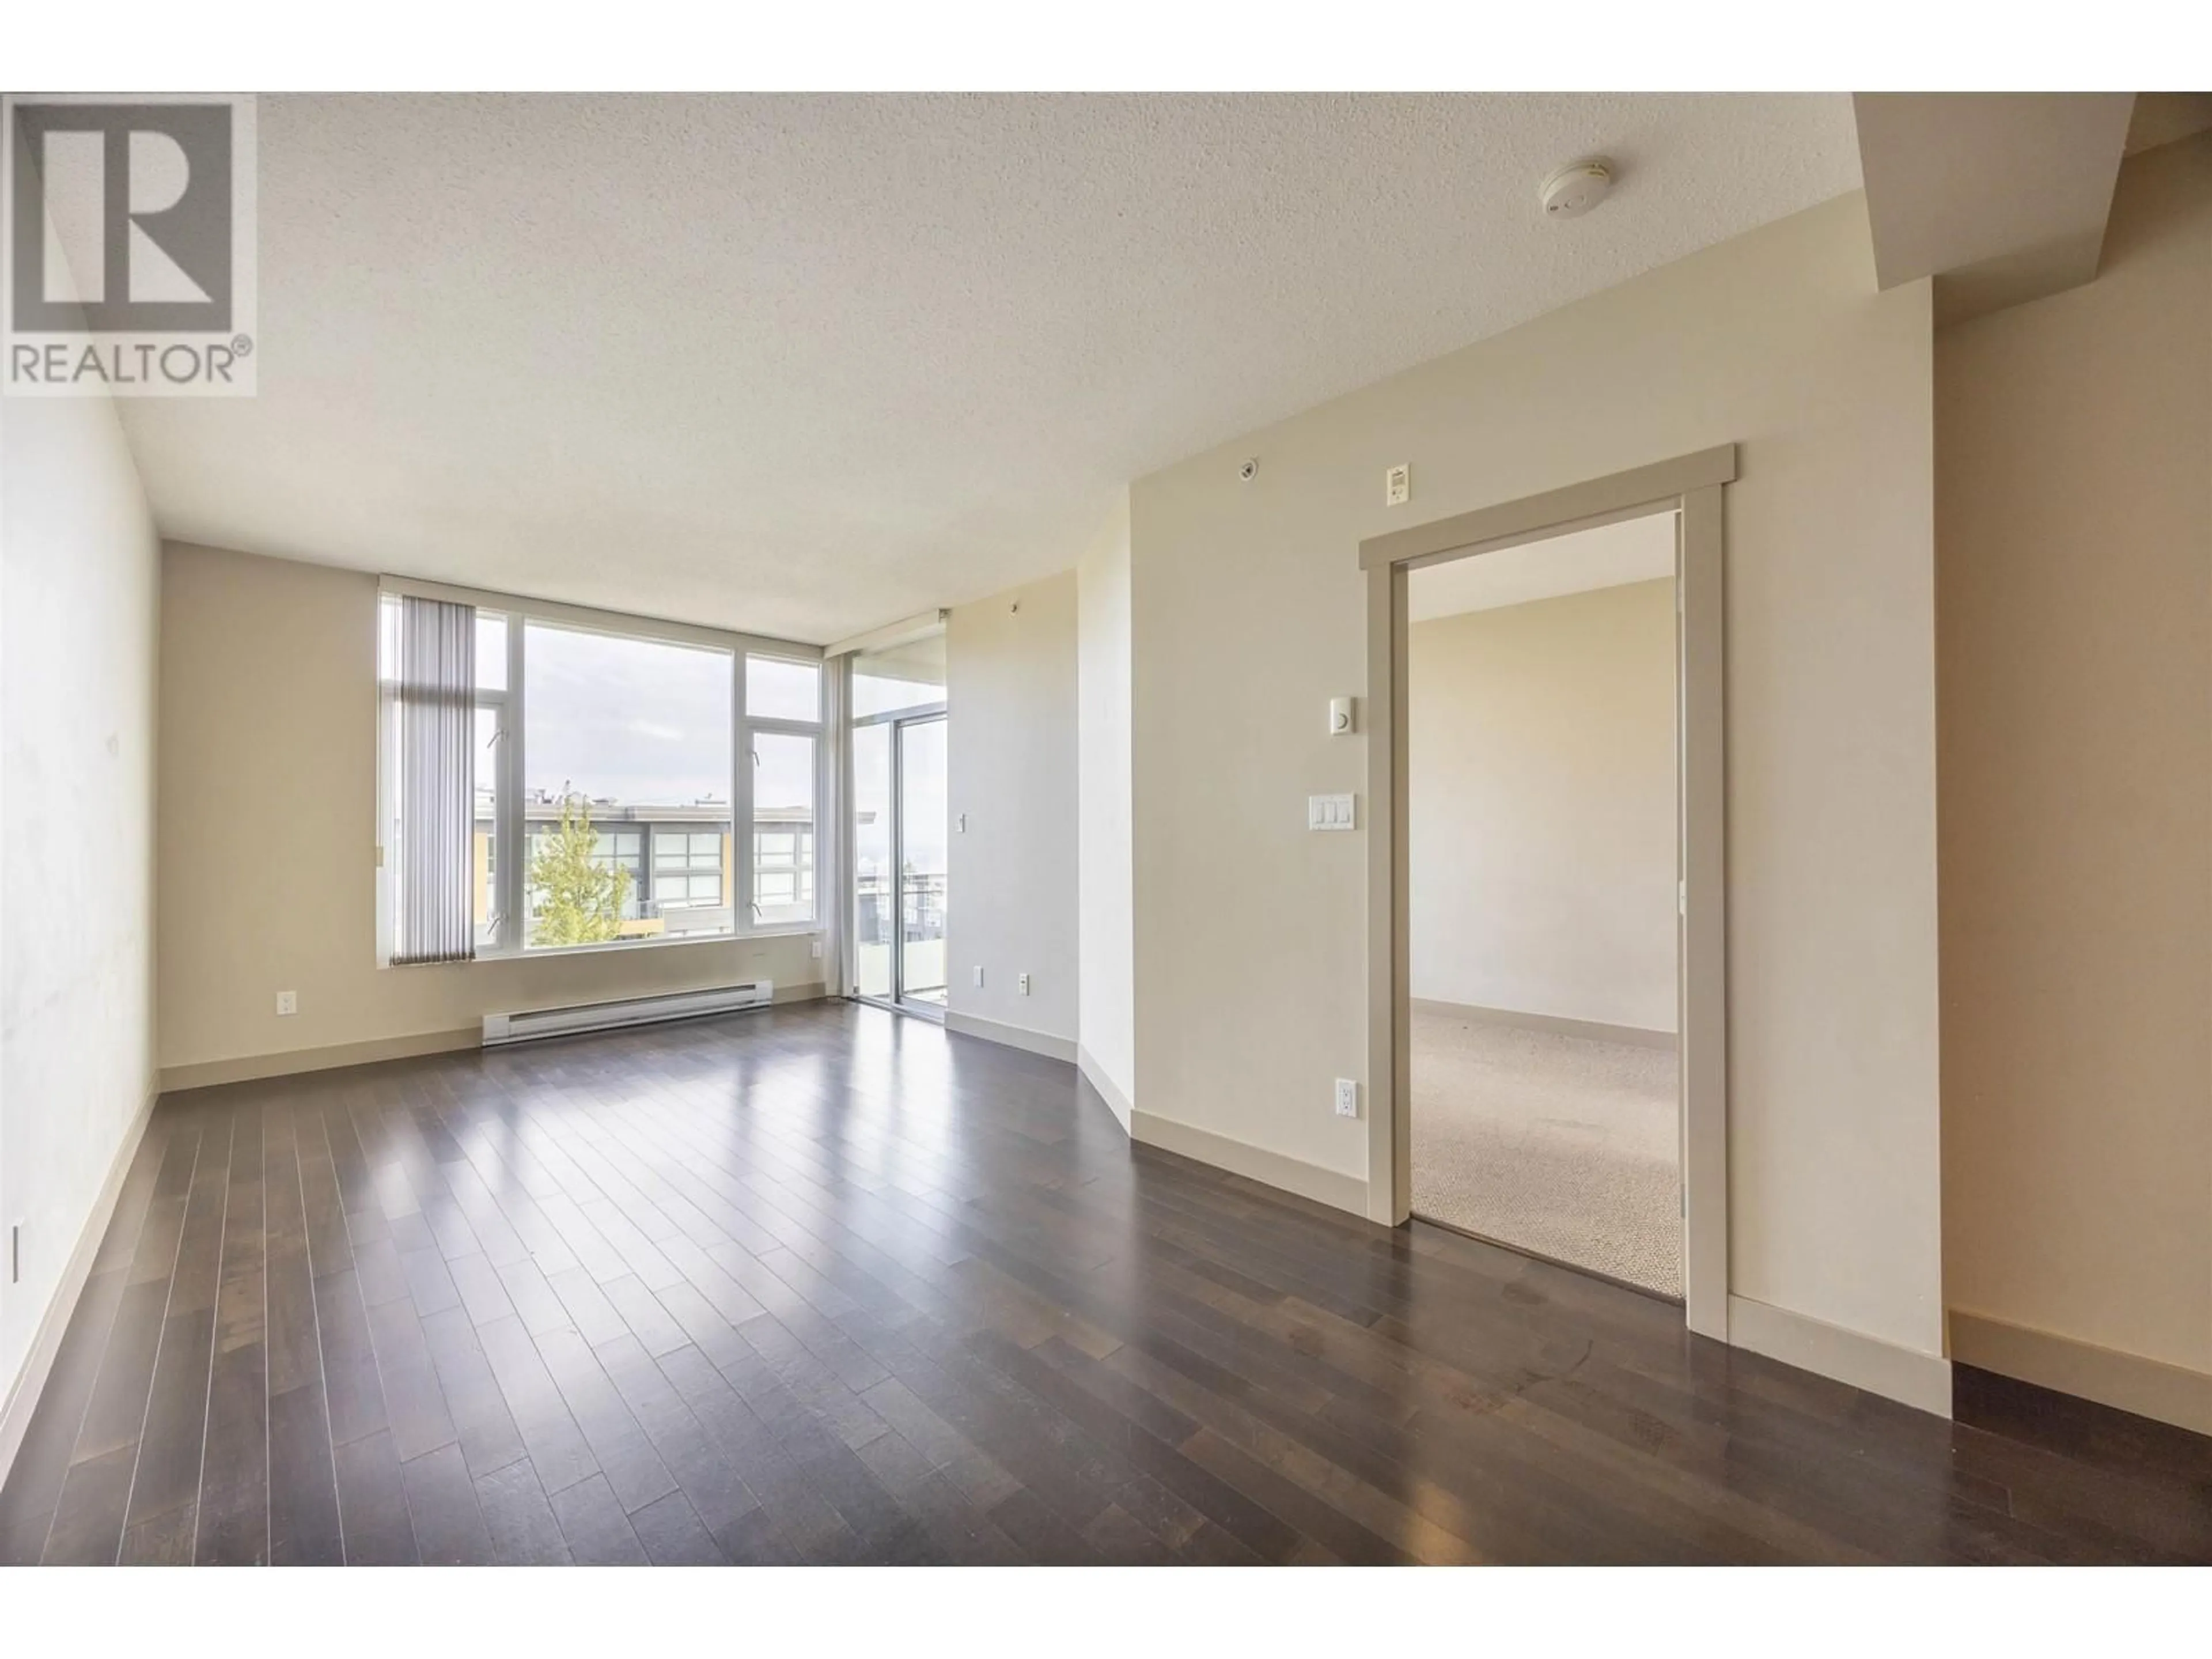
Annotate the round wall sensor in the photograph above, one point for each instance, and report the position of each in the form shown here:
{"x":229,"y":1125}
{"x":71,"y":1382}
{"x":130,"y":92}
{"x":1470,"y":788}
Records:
{"x":1574,"y":191}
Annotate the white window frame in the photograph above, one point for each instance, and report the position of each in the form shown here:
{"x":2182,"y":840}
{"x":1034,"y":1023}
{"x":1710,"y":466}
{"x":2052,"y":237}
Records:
{"x":747,"y":875}
{"x":509,"y":853}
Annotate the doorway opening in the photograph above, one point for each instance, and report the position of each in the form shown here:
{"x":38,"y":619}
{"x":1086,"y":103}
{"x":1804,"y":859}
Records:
{"x":1543,"y":878}
{"x":901,"y":895}
{"x":1691,"y":491}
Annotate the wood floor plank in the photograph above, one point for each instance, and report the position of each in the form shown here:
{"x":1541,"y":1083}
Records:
{"x":533,"y":1299}
{"x":165,"y":1483}
{"x":595,"y":1318}
{"x":480,"y":1290}
{"x":522,"y":1528}
{"x":305,"y":1528}
{"x":672,"y":1535}
{"x":304,"y":1524}
{"x":449,"y":1529}
{"x":117,"y":1409}
{"x":716,"y":1490}
{"x":373,"y":1498}
{"x":232,"y":1528}
{"x":555,"y":1444}
{"x":87,"y":1529}
{"x":415,"y":1404}
{"x":353,"y":1387}
{"x":598,"y":1532}
{"x":626,"y":1456}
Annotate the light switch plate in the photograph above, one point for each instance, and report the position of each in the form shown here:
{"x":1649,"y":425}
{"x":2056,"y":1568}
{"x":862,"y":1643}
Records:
{"x":1331,"y":812}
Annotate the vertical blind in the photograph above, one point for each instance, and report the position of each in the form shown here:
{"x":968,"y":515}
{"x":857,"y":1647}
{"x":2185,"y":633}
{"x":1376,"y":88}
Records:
{"x":436,"y":780}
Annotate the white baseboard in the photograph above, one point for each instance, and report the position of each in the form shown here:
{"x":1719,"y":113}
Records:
{"x":1558,"y":1023}
{"x":2126,"y":1382}
{"x":1108,"y":1091}
{"x":1330,"y":1186}
{"x":1011,"y":1036}
{"x":292,"y":1062}
{"x":1919,"y":1380}
{"x":30,"y":1380}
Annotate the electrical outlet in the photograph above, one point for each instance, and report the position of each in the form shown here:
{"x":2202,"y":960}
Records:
{"x":814,"y":949}
{"x":1023,"y":985}
{"x":287,"y":1002}
{"x":1348,"y":1097}
{"x":979,"y":978}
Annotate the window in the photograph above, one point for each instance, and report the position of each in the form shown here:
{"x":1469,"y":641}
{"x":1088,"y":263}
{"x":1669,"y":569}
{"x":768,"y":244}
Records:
{"x":910,"y":676}
{"x":483,"y":843}
{"x":780,"y":690}
{"x":618,"y":732}
{"x":783,"y":828}
{"x":783,"y":726}
{"x":628,"y":785}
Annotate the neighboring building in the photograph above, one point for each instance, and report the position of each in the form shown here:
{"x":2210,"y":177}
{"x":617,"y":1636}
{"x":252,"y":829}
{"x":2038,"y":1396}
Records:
{"x":681,"y":861}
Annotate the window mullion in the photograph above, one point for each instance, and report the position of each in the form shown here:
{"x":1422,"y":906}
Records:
{"x":741,"y":805}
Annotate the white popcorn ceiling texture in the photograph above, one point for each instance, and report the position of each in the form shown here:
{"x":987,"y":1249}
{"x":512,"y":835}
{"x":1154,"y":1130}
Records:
{"x":804,"y":365}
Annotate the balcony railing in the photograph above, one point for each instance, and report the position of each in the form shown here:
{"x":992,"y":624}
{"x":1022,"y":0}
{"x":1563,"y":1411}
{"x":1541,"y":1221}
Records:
{"x":923,"y":908}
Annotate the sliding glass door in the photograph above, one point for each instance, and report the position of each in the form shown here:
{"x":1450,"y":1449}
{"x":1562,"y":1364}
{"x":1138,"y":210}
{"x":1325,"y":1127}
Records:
{"x":874,"y":890}
{"x":921,"y":863}
{"x":900,"y":887}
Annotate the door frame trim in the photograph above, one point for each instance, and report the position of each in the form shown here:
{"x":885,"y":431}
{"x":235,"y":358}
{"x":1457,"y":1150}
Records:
{"x":1694,"y":486}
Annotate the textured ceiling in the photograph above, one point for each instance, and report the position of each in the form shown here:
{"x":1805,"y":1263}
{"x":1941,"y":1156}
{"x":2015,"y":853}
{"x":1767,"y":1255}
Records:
{"x":1633,"y":550}
{"x":801,"y":365}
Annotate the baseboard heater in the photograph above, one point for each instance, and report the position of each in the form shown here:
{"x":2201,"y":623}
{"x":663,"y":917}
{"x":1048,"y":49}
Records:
{"x":502,"y":1029}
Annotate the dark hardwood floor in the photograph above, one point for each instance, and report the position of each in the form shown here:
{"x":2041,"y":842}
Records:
{"x":821,"y":1285}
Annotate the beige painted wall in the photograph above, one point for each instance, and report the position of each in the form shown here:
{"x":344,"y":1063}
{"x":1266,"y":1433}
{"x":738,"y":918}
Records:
{"x":80,"y":573}
{"x":267,"y":836}
{"x":1540,"y":786}
{"x":1107,"y":1028}
{"x":1010,"y":667}
{"x":2074,"y":444}
{"x":1249,"y":614}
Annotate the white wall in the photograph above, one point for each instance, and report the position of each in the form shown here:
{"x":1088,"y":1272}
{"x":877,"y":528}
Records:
{"x":2074,"y":561}
{"x":1540,"y":780}
{"x":1009,"y":667}
{"x":1107,"y":1028}
{"x":79,"y":606}
{"x":1249,"y":613}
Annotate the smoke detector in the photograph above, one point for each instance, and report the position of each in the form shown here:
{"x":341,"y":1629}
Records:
{"x":1574,"y":190}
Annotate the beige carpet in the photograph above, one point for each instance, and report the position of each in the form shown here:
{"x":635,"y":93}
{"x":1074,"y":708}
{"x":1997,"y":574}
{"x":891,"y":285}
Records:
{"x":1564,"y":1145}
